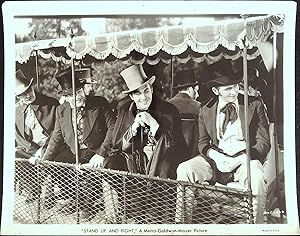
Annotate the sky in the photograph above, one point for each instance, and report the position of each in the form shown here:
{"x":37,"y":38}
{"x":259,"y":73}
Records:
{"x":89,"y":25}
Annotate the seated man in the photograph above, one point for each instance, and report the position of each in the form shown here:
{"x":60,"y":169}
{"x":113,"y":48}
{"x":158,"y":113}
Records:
{"x":148,"y":130}
{"x":35,"y":118}
{"x":94,"y":123}
{"x":222,"y":143}
{"x":148,"y":133}
{"x":185,"y":101}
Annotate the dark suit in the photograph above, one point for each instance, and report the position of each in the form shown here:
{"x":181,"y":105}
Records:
{"x":171,"y":147}
{"x":189,"y":113}
{"x":98,"y":124}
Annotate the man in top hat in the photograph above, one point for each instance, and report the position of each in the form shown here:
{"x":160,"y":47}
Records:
{"x":35,"y":118}
{"x":84,"y":73}
{"x":148,"y":131}
{"x":156,"y":122}
{"x":222,"y":139}
{"x":185,"y":101}
{"x":94,"y":123}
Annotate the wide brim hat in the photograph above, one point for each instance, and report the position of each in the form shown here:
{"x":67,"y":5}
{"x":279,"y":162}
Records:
{"x":222,"y":74}
{"x":64,"y":78}
{"x":22,"y":83}
{"x":254,"y":79}
{"x":184,"y":79}
{"x":135,"y":77}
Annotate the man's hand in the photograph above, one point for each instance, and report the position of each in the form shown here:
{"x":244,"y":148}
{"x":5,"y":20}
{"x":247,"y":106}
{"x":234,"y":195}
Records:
{"x":37,"y":156}
{"x":224,"y":163}
{"x":96,"y":161}
{"x":144,"y":118}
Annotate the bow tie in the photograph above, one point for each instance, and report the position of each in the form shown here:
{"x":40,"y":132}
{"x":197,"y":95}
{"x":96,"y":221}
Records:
{"x":138,"y":111}
{"x":230,"y":115}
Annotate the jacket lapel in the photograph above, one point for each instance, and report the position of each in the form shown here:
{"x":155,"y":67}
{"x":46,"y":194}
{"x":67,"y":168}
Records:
{"x":20,"y":121}
{"x":67,"y":125}
{"x":242,"y":113}
{"x":209,"y":117}
{"x":89,"y":121}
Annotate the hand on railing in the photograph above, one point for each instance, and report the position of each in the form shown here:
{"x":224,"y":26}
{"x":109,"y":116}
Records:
{"x":36,"y":157}
{"x":96,"y":161}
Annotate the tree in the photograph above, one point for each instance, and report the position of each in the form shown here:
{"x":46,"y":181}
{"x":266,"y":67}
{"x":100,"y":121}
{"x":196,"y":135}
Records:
{"x":49,"y":28}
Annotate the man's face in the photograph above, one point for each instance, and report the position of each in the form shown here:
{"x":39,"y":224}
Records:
{"x":80,"y":98}
{"x":194,"y":92}
{"x":227,"y":93}
{"x":27,"y":97}
{"x":142,"y":97}
{"x":88,"y":88}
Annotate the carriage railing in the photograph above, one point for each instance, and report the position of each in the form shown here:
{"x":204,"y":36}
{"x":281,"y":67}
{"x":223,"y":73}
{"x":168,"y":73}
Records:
{"x":61,"y":193}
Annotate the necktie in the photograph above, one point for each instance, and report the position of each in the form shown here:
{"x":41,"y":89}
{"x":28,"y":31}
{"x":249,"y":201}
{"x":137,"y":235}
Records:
{"x":230,"y":115}
{"x":80,"y":123}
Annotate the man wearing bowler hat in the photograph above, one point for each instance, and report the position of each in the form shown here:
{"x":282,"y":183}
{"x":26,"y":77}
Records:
{"x":185,"y":101}
{"x":35,"y":118}
{"x":222,"y":139}
{"x":147,"y":132}
{"x":94,"y":123}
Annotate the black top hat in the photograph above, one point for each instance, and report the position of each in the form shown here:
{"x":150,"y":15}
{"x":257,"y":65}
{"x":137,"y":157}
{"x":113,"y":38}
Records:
{"x":184,"y":79}
{"x":64,"y":78}
{"x":22,"y":83}
{"x":222,"y":74}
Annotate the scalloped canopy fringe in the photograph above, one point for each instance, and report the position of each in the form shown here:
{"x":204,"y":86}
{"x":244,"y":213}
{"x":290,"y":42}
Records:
{"x":174,"y":40}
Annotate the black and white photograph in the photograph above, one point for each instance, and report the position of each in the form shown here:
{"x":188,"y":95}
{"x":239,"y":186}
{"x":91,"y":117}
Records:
{"x":149,"y":118}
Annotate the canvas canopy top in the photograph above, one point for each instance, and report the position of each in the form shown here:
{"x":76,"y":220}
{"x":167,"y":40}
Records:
{"x":199,"y":42}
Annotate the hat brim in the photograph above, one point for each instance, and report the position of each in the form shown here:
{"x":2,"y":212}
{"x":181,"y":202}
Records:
{"x":185,"y":85}
{"x":23,"y":90}
{"x":214,"y":83}
{"x":69,"y":91}
{"x":149,"y":81}
{"x":92,"y":82}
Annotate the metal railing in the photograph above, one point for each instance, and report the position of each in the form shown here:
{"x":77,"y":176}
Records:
{"x":60,"y":193}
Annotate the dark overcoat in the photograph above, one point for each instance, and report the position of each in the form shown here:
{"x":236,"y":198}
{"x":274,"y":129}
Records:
{"x":44,"y":108}
{"x":258,"y":124}
{"x":98,"y":124}
{"x":170,"y":149}
{"x":189,"y":114}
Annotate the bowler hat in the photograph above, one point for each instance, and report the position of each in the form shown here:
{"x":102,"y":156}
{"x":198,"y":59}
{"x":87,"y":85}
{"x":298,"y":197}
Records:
{"x":135,"y":78}
{"x":64,"y":78}
{"x":222,"y":74}
{"x":184,"y":79}
{"x":22,"y":83}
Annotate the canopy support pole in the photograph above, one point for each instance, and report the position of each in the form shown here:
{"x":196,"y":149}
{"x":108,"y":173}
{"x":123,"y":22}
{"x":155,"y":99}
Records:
{"x":37,"y":71}
{"x":172,"y":78}
{"x":275,"y":139}
{"x":249,"y":189}
{"x":76,"y":140}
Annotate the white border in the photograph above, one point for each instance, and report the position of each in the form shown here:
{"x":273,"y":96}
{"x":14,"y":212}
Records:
{"x":288,"y":8}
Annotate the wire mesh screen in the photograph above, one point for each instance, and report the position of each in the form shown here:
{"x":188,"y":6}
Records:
{"x":58,"y":193}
